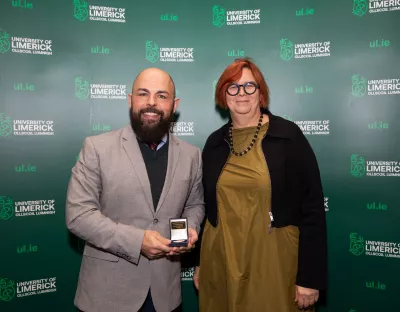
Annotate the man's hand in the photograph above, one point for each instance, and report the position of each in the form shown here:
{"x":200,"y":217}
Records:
{"x":196,"y":277}
{"x":306,"y":297}
{"x":155,"y":246}
{"x":192,"y":239}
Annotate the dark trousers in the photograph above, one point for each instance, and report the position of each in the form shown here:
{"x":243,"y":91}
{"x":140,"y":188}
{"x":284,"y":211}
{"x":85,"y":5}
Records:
{"x":149,"y":307}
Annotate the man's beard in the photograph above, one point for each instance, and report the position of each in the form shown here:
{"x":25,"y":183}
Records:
{"x":151,"y":132}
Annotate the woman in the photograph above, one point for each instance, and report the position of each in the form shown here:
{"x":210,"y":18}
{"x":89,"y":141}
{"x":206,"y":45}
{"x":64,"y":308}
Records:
{"x":263,"y":245}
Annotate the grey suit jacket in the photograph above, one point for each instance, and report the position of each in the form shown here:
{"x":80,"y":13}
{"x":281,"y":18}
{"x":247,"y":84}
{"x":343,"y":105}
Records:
{"x":109,"y":205}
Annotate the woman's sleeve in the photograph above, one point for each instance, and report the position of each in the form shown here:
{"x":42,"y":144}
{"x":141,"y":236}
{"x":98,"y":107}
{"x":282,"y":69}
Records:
{"x":312,"y":257}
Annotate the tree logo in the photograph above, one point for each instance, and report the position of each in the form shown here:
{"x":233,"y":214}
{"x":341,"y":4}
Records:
{"x":359,"y":85}
{"x":219,"y":16}
{"x":81,"y":88}
{"x":356,"y":244}
{"x":360,"y":7}
{"x":4,"y":41}
{"x":81,"y":12}
{"x":7,"y":289}
{"x":357,"y":168}
{"x":5,"y":125}
{"x":152,"y":51}
{"x":287,"y":51}
{"x":6,"y":208}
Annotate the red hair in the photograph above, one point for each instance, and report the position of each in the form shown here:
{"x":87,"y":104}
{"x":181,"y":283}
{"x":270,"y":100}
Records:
{"x":233,"y":73}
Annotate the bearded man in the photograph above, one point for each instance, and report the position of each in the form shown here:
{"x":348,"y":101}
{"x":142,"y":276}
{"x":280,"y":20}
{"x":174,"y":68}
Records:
{"x":124,"y":189}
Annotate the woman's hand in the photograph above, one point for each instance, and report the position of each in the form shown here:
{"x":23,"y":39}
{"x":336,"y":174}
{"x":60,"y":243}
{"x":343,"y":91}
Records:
{"x":196,"y":278}
{"x":306,"y":297}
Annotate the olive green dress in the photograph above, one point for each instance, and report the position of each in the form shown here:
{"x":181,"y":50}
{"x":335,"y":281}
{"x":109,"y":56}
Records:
{"x":244,"y":268}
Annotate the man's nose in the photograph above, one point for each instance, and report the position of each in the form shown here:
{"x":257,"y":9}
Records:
{"x":152,"y":100}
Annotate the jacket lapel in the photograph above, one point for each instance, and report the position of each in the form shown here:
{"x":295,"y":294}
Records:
{"x":173,"y":157}
{"x":131,"y":147}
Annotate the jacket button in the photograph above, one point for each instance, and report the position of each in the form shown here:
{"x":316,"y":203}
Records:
{"x":155,"y":221}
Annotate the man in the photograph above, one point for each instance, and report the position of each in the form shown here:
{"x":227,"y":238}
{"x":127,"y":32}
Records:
{"x":125,"y":187}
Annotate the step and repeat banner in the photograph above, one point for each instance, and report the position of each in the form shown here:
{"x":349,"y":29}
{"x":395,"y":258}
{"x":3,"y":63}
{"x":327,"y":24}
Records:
{"x":66,"y":68}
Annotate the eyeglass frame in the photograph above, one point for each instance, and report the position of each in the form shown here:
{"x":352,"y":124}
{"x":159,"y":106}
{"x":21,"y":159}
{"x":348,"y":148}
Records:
{"x":244,"y":87}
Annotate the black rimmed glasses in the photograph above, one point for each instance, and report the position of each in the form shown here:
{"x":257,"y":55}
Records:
{"x":248,"y":87}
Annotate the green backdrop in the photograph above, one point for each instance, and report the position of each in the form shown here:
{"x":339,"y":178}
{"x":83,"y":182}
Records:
{"x":65,"y":70}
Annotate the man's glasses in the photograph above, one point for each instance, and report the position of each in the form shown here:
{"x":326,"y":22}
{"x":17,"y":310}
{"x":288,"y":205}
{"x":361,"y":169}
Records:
{"x":248,"y":87}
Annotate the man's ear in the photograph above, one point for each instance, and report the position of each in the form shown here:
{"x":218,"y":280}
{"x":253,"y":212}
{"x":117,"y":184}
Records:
{"x":130,"y":100}
{"x":176,"y":104}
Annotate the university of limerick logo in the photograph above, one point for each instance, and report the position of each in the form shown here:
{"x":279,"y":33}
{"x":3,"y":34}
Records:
{"x":357,"y":166}
{"x":4,"y":41}
{"x":81,"y":88}
{"x":359,"y":85}
{"x":152,"y":51}
{"x":187,"y":274}
{"x":81,"y":12}
{"x":356,"y":244}
{"x":360,"y":7}
{"x":6,"y":208}
{"x":219,"y":16}
{"x":7,"y":289}
{"x":287,"y":51}
{"x":5,"y":125}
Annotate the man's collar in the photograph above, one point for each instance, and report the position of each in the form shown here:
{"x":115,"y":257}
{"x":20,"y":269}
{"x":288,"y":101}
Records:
{"x":164,"y":139}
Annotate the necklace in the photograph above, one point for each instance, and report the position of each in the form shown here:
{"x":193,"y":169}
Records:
{"x":252,"y":141}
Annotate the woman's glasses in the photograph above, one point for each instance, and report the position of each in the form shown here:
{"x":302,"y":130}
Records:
{"x":248,"y":87}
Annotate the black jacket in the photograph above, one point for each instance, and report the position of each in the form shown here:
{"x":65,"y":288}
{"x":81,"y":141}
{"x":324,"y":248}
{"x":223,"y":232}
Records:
{"x":297,"y":195}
